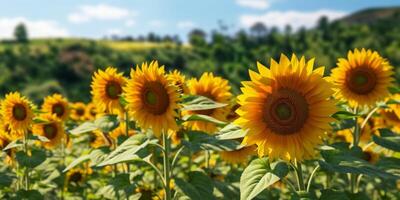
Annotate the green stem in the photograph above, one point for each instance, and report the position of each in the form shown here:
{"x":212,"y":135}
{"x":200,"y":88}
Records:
{"x":299,"y":175}
{"x":167,"y":169}
{"x":356,"y":140}
{"x":63,"y":167}
{"x":127,"y":134}
{"x":207,"y":159}
{"x":311,"y":177}
{"x":26,"y":171}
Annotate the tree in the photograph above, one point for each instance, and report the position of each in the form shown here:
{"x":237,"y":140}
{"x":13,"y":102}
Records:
{"x":20,"y":33}
{"x":259,"y":29}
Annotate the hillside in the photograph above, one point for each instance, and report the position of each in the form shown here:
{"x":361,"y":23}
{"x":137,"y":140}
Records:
{"x":373,"y":15}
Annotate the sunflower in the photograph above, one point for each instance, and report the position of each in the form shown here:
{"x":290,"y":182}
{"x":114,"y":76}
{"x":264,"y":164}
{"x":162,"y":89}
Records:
{"x":91,"y":111}
{"x":370,"y":154}
{"x":240,"y":156}
{"x":177,"y":136}
{"x":363,"y":78}
{"x":4,"y":141}
{"x":152,"y":99}
{"x":286,"y":109}
{"x":78,"y":111}
{"x":76,"y":176}
{"x":17,"y":113}
{"x":56,"y":104}
{"x":178,"y":80}
{"x":106,"y":90}
{"x":121,"y":131}
{"x":97,"y":139}
{"x":365,"y":136}
{"x":52,"y":129}
{"x":391,"y":115}
{"x":216,"y":89}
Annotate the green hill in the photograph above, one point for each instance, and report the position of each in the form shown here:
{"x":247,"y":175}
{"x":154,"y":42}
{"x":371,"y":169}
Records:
{"x":373,"y":15}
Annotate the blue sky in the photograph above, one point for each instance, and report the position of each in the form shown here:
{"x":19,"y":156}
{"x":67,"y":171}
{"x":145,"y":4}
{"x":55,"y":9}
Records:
{"x":95,"y":19}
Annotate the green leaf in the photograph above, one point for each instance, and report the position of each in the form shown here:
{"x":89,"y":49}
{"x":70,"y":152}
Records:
{"x":200,"y":140}
{"x":98,"y":155}
{"x":13,"y":144}
{"x":193,"y":102}
{"x":39,"y":138}
{"x":76,"y":162}
{"x":257,"y":177}
{"x":230,"y":132}
{"x":392,"y":101}
{"x":6,"y":179}
{"x":341,"y":115}
{"x":83,"y":128}
{"x":36,"y":158}
{"x":28,"y":195}
{"x":204,"y":118}
{"x":107,"y":123}
{"x":333,"y":195}
{"x":127,"y":151}
{"x":199,"y":186}
{"x":394,"y":90}
{"x":391,"y":142}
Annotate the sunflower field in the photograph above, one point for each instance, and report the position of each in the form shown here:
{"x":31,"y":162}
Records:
{"x":291,"y":133}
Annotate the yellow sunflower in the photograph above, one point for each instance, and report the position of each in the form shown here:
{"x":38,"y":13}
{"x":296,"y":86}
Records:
{"x":52,"y":129}
{"x":365,"y":136}
{"x":17,"y":113}
{"x":91,"y":111}
{"x":152,"y":99}
{"x":76,"y":176}
{"x":97,"y":139}
{"x":78,"y":111}
{"x":370,"y":154}
{"x":56,"y":104}
{"x":363,"y":78}
{"x":391,"y":115}
{"x":178,"y":80}
{"x":286,"y":109}
{"x":106,"y":89}
{"x":216,"y":89}
{"x":4,"y":141}
{"x":177,"y":136}
{"x":240,"y":156}
{"x":121,"y":131}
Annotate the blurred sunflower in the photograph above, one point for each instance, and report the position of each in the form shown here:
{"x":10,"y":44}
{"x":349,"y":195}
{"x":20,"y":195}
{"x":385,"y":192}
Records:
{"x":91,"y":111}
{"x":286,"y":109}
{"x":152,"y":99}
{"x":106,"y":90}
{"x":365,"y":136}
{"x":56,"y":104}
{"x":4,"y":141}
{"x":121,"y":131}
{"x":76,"y":176}
{"x":17,"y":113}
{"x":179,"y":81}
{"x":52,"y":129}
{"x":363,"y":78}
{"x":391,"y":115}
{"x":97,"y":139}
{"x":370,"y":154}
{"x":177,"y":136}
{"x":240,"y":156}
{"x":78,"y":111}
{"x":216,"y":89}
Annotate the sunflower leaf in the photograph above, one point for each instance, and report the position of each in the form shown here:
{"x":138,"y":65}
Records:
{"x":13,"y":144}
{"x":205,"y":118}
{"x":341,"y":115}
{"x":107,"y":123}
{"x":230,"y":132}
{"x":194,"y":102}
{"x":389,"y":142}
{"x":76,"y":162}
{"x":199,"y":186}
{"x":200,"y":140}
{"x":83,"y":128}
{"x":257,"y":177}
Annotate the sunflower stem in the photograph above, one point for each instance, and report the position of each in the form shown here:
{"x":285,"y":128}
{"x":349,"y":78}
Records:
{"x":26,"y":171}
{"x":63,"y":166}
{"x":311,"y":177}
{"x":166,"y":166}
{"x":299,"y":173}
{"x":127,"y":134}
{"x":356,"y":140}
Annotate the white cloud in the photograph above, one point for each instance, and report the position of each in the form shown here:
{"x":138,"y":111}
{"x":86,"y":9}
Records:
{"x":36,"y":28}
{"x":255,"y":4}
{"x":114,"y":31}
{"x":87,"y":13}
{"x":296,"y":19}
{"x":186,"y":25}
{"x":130,"y":23}
{"x":157,"y":23}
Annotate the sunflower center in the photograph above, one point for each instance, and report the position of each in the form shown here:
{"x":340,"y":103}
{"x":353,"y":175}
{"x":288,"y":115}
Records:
{"x":58,"y":109}
{"x":19,"y":112}
{"x":113,"y":90}
{"x":285,"y":111}
{"x":76,"y":177}
{"x":50,"y":131}
{"x":155,"y":98}
{"x":80,"y":111}
{"x":361,"y":81}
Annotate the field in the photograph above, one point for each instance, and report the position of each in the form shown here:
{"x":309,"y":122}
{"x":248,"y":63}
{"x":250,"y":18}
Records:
{"x":259,"y":114}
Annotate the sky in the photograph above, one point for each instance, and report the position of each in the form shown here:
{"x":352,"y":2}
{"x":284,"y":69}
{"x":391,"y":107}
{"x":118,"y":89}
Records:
{"x":96,"y":19}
